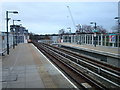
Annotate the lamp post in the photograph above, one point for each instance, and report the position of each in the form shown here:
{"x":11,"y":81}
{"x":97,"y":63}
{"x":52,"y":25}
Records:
{"x":7,"y":19}
{"x":95,"y":42}
{"x":94,"y":23}
{"x":118,"y":18}
{"x":14,"y":32}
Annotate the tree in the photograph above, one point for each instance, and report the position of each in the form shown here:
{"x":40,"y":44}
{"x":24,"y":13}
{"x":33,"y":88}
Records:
{"x":101,"y":29}
{"x":89,"y":29}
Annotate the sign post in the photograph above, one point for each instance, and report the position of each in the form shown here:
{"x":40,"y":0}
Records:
{"x":95,"y":37}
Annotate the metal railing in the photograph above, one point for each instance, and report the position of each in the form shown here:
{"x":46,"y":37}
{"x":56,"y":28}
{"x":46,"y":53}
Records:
{"x":3,"y":41}
{"x":112,"y":40}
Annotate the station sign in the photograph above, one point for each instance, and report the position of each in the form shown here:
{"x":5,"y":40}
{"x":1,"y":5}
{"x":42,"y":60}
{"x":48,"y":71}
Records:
{"x":112,"y":38}
{"x":95,"y":30}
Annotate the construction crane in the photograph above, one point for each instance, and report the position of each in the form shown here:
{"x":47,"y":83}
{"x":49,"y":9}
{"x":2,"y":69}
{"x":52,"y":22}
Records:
{"x":78,"y":27}
{"x":71,"y":17}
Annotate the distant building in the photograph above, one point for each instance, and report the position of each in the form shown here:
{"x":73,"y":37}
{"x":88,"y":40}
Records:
{"x":20,"y":33}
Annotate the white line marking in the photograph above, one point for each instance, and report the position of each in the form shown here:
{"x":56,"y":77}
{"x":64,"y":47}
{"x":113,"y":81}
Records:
{"x":56,"y":68}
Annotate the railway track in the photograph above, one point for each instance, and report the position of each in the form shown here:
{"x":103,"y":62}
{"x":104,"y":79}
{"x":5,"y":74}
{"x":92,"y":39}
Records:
{"x":95,"y":74}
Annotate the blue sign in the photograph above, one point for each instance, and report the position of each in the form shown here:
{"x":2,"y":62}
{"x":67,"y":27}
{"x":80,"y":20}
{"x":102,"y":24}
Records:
{"x":94,"y":30}
{"x":112,"y":38}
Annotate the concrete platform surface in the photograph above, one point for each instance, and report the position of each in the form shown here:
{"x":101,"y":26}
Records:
{"x":26,"y":67}
{"x":101,"y":49}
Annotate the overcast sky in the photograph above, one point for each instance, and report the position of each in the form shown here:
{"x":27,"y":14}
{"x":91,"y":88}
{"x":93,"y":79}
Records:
{"x":50,"y":17}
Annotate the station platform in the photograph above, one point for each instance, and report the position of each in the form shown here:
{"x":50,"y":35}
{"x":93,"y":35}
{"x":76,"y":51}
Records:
{"x":26,"y":67}
{"x":100,"y":49}
{"x":108,"y":55}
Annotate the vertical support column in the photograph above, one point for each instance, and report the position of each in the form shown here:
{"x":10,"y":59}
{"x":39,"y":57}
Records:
{"x":74,"y":38}
{"x":101,"y":39}
{"x":78,"y":39}
{"x":63,"y":38}
{"x":88,"y":39}
{"x":81,"y":39}
{"x":118,"y":41}
{"x":105,"y":40}
{"x":85,"y":38}
{"x":98,"y":39}
{"x":67,"y":38}
{"x":71,"y":38}
{"x":92,"y":39}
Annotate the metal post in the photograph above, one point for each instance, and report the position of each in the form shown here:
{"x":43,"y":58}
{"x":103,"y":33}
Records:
{"x":92,"y":39}
{"x":95,"y":26}
{"x":13,"y":41}
{"x":85,"y":39}
{"x":101,"y":39}
{"x":16,"y":36}
{"x":105,"y":40}
{"x":7,"y":19}
{"x":95,"y":41}
{"x":13,"y":35}
{"x":98,"y":39}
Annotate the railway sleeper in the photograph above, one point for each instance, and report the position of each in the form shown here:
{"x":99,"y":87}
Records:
{"x":98,"y":70}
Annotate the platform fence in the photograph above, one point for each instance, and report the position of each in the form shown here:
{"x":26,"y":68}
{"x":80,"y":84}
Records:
{"x":112,"y":40}
{"x":3,"y":41}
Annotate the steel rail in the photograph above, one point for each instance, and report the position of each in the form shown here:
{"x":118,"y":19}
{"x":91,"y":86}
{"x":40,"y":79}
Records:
{"x":87,"y":69}
{"x":74,"y":69}
{"x":93,"y":65}
{"x":95,"y":62}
